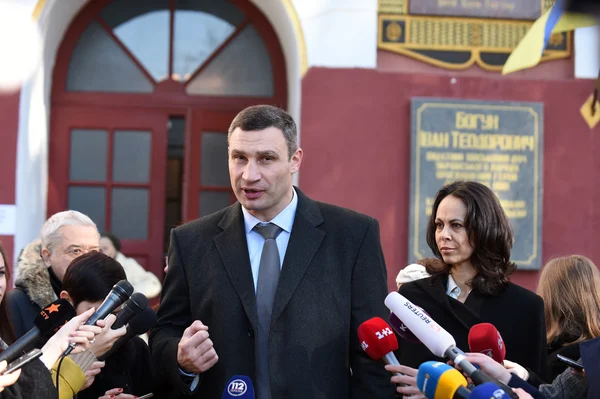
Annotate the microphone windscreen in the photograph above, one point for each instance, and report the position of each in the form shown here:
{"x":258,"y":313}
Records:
{"x":52,"y":317}
{"x":134,"y":305}
{"x":377,"y":338}
{"x":431,"y":334}
{"x":239,"y":386}
{"x":488,"y":390}
{"x":401,"y":329}
{"x":438,"y":380}
{"x":123,"y":289}
{"x":138,"y":301}
{"x":143,"y":321}
{"x":485,"y":338}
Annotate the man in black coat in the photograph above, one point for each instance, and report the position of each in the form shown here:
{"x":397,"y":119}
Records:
{"x":38,"y":276}
{"x":332,"y":278}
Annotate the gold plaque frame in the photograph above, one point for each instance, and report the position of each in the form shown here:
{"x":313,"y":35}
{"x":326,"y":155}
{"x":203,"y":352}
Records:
{"x":475,"y":38}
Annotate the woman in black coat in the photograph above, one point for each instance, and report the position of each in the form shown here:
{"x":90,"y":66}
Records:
{"x":35,"y":380}
{"x":87,"y":281}
{"x":470,"y":232}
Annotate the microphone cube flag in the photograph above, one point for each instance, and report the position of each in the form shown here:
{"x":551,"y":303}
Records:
{"x":485,"y":338}
{"x":55,"y":315}
{"x":401,"y":329}
{"x":430,"y":333}
{"x":239,"y":386}
{"x":377,"y":338}
{"x":488,"y":390}
{"x":438,"y":380}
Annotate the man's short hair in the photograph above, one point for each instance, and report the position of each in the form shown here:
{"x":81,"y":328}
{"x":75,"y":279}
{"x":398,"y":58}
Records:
{"x":50,"y":233}
{"x":260,"y":117}
{"x":91,"y":276}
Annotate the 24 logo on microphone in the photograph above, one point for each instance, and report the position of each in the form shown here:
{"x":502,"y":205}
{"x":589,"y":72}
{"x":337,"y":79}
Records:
{"x":384,"y":333}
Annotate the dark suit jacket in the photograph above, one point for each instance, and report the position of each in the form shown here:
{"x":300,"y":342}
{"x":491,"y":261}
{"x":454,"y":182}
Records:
{"x":333,"y":278}
{"x":517,"y":313}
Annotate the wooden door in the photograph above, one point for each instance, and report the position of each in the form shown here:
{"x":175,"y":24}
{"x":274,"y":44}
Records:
{"x":110,"y":164}
{"x":207,"y":187}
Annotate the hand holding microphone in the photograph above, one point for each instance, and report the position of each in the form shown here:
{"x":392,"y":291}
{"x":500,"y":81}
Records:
{"x":107,"y":336}
{"x":433,"y":336}
{"x":195,"y":351}
{"x":489,"y":366}
{"x":485,"y":338}
{"x":119,"y":294}
{"x":49,"y":320}
{"x":74,"y":333}
{"x":379,"y":342}
{"x":139,"y":324}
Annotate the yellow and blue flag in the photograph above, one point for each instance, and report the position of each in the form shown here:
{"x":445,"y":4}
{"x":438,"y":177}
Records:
{"x":529,"y":51}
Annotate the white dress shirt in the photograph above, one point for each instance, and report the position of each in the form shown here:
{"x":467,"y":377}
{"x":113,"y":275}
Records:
{"x":285,"y":220}
{"x":453,"y":289}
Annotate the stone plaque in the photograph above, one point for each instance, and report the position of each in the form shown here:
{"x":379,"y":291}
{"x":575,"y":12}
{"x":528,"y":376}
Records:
{"x":496,"y":9}
{"x":499,"y":144}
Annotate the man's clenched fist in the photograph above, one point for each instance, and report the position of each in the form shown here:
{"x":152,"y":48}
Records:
{"x":195,"y":352}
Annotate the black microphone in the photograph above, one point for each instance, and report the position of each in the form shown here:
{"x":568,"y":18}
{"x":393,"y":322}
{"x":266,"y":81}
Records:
{"x":139,"y":324}
{"x":120,"y":293}
{"x":133,"y":306}
{"x":47,"y":322}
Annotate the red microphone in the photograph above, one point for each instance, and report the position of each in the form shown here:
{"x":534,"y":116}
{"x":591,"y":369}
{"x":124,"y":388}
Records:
{"x":485,"y":338}
{"x":378,"y":340}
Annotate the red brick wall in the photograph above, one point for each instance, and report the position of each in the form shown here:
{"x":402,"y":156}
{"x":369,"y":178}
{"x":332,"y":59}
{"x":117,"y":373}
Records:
{"x":356,"y":138}
{"x":9,"y":123}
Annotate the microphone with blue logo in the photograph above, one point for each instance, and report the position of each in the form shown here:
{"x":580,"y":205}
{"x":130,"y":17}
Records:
{"x":488,"y":390}
{"x":438,"y":380}
{"x":240,"y":387}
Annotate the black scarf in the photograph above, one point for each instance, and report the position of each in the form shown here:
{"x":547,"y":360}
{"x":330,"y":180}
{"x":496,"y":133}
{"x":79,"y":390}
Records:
{"x":55,"y":282}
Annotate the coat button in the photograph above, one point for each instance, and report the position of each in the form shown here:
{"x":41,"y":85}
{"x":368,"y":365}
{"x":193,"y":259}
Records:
{"x":250,"y":333}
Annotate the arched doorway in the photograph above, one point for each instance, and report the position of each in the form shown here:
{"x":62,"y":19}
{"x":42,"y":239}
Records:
{"x":142,"y":98}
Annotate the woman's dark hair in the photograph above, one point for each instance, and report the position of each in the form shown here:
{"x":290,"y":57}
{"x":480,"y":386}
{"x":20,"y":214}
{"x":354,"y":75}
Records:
{"x":114,"y":239}
{"x":7,"y":332}
{"x":489,"y":231}
{"x":91,"y":276}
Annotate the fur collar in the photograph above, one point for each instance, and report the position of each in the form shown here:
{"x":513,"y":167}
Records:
{"x":31,"y":275}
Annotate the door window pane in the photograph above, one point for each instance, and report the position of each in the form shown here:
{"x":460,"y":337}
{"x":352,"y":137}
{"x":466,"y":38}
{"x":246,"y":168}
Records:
{"x":89,"y":152}
{"x":131,"y":157}
{"x":197,"y":35}
{"x":99,"y":64}
{"x":212,"y":201}
{"x":214,"y":169}
{"x":200,"y":28}
{"x":130,"y":208}
{"x":143,"y":26}
{"x":90,"y":201}
{"x":243,"y":68}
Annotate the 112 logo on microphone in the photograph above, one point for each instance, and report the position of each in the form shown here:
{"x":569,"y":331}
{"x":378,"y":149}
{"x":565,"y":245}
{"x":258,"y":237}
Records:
{"x":237,"y":388}
{"x":384,"y":333}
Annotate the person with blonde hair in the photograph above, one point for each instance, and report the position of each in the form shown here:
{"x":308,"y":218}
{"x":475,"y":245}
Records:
{"x":570,"y":287}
